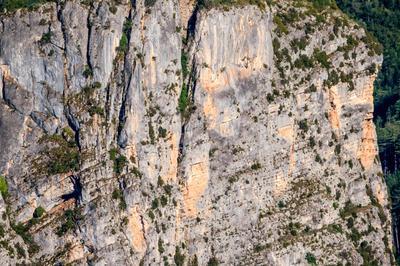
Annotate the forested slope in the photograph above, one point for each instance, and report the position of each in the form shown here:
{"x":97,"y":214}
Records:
{"x":382,"y":19}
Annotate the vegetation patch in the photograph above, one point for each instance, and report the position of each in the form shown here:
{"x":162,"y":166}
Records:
{"x":60,"y":155}
{"x":13,"y":5}
{"x":70,"y":222}
{"x":3,"y":187}
{"x":119,"y":160}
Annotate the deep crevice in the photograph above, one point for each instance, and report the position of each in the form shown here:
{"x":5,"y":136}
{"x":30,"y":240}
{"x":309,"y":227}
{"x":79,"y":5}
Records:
{"x":89,"y":27}
{"x":127,"y":81}
{"x":190,"y":80}
{"x":71,"y":120}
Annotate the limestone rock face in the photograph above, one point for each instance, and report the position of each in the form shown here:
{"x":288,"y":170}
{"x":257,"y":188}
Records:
{"x":249,"y":142}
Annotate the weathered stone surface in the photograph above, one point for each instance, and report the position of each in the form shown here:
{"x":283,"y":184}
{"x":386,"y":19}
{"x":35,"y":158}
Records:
{"x":274,"y":158}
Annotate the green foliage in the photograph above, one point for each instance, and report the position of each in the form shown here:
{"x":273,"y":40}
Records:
{"x":256,"y":166}
{"x":213,"y":261}
{"x":2,"y":230}
{"x":118,"y":195}
{"x":280,"y":26}
{"x":46,"y":38}
{"x":229,"y":3}
{"x":183,"y":100}
{"x":23,"y":231}
{"x":367,"y":254}
{"x":303,"y":125}
{"x":303,"y":62}
{"x":163,"y":201}
{"x":3,"y":187}
{"x":149,"y":3}
{"x":119,"y":160}
{"x":20,"y":251}
{"x":322,"y":58}
{"x":349,"y":210}
{"x":179,"y":258}
{"x":184,"y":64}
{"x":322,"y":4}
{"x":12,"y":5}
{"x":62,"y":155}
{"x":160,"y":246}
{"x":393,"y":183}
{"x":71,"y":219}
{"x":123,"y":43}
{"x":87,"y":72}
{"x":310,"y":258}
{"x":96,"y":110}
{"x":154,"y":204}
{"x":162,"y":132}
{"x":381,"y":18}
{"x":39,"y":211}
{"x":151,"y":133}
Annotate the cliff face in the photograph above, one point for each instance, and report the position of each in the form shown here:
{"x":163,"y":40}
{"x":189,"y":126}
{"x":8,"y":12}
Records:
{"x":250,"y":143}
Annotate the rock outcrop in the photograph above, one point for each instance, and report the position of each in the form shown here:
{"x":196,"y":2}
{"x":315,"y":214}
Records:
{"x":249,"y":142}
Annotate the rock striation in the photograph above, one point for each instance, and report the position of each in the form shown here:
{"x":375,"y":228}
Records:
{"x":247,"y":140}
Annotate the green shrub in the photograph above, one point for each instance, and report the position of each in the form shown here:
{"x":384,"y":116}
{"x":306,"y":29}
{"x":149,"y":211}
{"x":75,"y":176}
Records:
{"x":163,"y":201}
{"x":39,"y":211}
{"x":3,"y":187}
{"x":256,"y":166}
{"x":123,"y":43}
{"x":46,"y":38}
{"x":87,"y":72}
{"x":149,"y":3}
{"x":160,"y":246}
{"x":23,"y":231}
{"x":151,"y":132}
{"x":119,"y":160}
{"x":270,"y":98}
{"x":96,"y":110}
{"x":71,"y":219}
{"x":184,"y":64}
{"x":154,"y":204}
{"x":118,"y":195}
{"x":322,"y":4}
{"x":280,"y":26}
{"x":303,"y":125}
{"x":179,"y":258}
{"x":322,"y":58}
{"x":303,"y":62}
{"x":310,"y":258}
{"x":183,"y":100}
{"x":213,"y":262}
{"x":162,"y":132}
{"x":62,"y":156}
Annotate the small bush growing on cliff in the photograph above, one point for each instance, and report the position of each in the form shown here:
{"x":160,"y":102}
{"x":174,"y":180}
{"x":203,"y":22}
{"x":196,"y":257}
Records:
{"x":62,"y":155}
{"x":118,"y":195}
{"x":39,"y":211}
{"x":71,"y":219}
{"x":179,"y":258}
{"x":149,"y":3}
{"x":123,"y":43}
{"x":213,"y":262}
{"x":183,"y":100}
{"x":118,"y":159}
{"x":3,"y":187}
{"x":310,"y":258}
{"x":256,"y":166}
{"x":303,"y":125}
